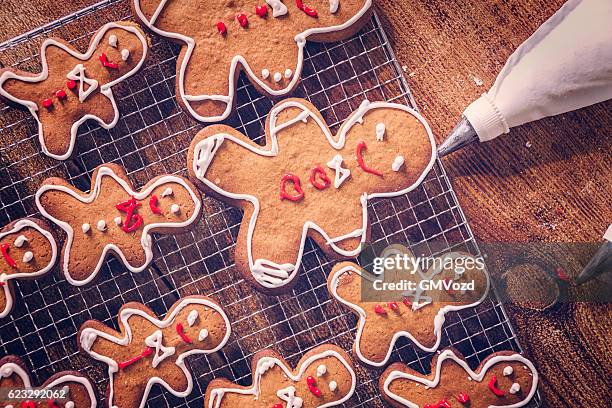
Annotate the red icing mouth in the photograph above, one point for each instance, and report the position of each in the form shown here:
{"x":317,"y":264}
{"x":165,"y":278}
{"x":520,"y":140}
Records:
{"x":5,"y":248}
{"x":360,"y":148}
{"x":181,"y":332}
{"x":104,"y":60}
{"x":132,"y":360}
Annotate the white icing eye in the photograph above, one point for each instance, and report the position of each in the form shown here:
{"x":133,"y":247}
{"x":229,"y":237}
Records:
{"x":321,"y":370}
{"x":101,"y":225}
{"x":278,"y":77}
{"x":167,"y":192}
{"x":516,"y":387}
{"x":288,"y":73}
{"x":191,"y":318}
{"x":203,"y":334}
{"x":397,"y":163}
{"x":112,"y":40}
{"x":27,"y":257}
{"x":508,"y":370}
{"x":333,"y":386}
{"x":125,"y":54}
{"x":175,"y":209}
{"x":118,"y":220}
{"x":85,"y":227}
{"x":333,"y":6}
{"x":20,"y":241}
{"x":380,"y":132}
{"x":265,"y":74}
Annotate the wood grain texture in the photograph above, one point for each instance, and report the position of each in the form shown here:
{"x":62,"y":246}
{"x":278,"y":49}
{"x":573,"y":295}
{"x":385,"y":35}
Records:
{"x":545,"y":182}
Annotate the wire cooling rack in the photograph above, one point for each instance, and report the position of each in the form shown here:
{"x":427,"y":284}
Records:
{"x":151,"y":138}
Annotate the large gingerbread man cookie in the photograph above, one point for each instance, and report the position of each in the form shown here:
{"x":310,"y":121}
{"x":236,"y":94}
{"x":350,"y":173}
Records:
{"x":418,"y":312}
{"x":503,"y":380}
{"x":73,"y":87}
{"x":149,"y":351}
{"x":307,"y":182}
{"x":67,"y":389}
{"x":28,"y":250}
{"x":222,"y":38}
{"x":114,"y":218}
{"x":324,"y":377}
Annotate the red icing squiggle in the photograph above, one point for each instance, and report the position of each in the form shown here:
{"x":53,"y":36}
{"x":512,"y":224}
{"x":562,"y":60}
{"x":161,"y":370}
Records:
{"x":147,"y":352}
{"x":324,"y":181}
{"x":153,"y":205}
{"x":493,"y":387}
{"x":312,"y":386}
{"x":284,"y":195}
{"x":5,"y":248}
{"x":312,"y":12}
{"x":463,"y":398}
{"x":181,"y":333}
{"x":360,"y":148}
{"x":132,"y":221}
{"x":104,"y":60}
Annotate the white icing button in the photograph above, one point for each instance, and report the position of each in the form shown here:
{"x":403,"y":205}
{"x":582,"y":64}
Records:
{"x":397,"y":163}
{"x":508,"y":370}
{"x":278,"y":77}
{"x":175,"y":209}
{"x":118,"y":220}
{"x":516,"y":387}
{"x":101,"y":225}
{"x":380,"y":132}
{"x":265,"y":74}
{"x":288,"y":73}
{"x":333,"y":386}
{"x":125,"y":54}
{"x":20,"y":241}
{"x":27,"y":257}
{"x":191,"y":318}
{"x":167,"y":192}
{"x":69,"y":404}
{"x":112,"y":40}
{"x":321,"y":370}
{"x":203,"y":334}
{"x":85,"y":227}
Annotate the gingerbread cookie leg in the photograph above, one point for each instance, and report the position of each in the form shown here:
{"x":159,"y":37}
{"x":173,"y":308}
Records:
{"x":503,"y":380}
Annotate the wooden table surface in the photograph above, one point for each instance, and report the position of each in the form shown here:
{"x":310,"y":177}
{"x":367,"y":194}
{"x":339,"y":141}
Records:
{"x":548,"y":182}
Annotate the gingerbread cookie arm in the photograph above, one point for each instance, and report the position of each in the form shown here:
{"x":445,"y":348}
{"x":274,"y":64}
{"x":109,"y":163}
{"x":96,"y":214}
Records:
{"x":503,"y":380}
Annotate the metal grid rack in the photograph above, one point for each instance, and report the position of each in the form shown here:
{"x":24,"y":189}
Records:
{"x":151,"y":138}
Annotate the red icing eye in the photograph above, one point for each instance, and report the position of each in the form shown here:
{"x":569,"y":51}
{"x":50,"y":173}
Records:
{"x":71,"y":84}
{"x":394,"y":306}
{"x":47,"y":103}
{"x":221,"y":27}
{"x":243,"y":20}
{"x":380,"y":310}
{"x":463,"y":398}
{"x":60,"y":93}
{"x":284,"y":195}
{"x":261,"y":11}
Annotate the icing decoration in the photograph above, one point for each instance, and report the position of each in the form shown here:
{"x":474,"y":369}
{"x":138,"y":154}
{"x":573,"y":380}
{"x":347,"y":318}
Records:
{"x":146,"y":353}
{"x":394,"y":306}
{"x":221,"y":27}
{"x":333,"y":386}
{"x":243,"y":20}
{"x":192,"y":317}
{"x":118,"y":221}
{"x":28,"y":256}
{"x":397,"y":163}
{"x":265,"y":73}
{"x":20,"y":241}
{"x":167,"y":192}
{"x":261,"y":11}
{"x":61,"y":94}
{"x":360,"y":148}
{"x":324,"y":180}
{"x":47,"y":103}
{"x":153,"y":205}
{"x":508,"y":370}
{"x":267,"y":273}
{"x":105,"y":62}
{"x":288,"y":73}
{"x":92,"y":340}
{"x":278,"y":77}
{"x":299,"y":193}
{"x":277,"y":405}
{"x":85,"y":228}
{"x":125,"y":54}
{"x":75,"y":117}
{"x":175,"y":209}
{"x":380,"y":132}
{"x":181,"y":333}
{"x":112,"y":40}
{"x":341,"y":290}
{"x":101,"y":225}
{"x":133,"y":259}
{"x":312,"y":386}
{"x":199,"y":92}
{"x":333,"y":6}
{"x":321,"y":370}
{"x":203,"y":335}
{"x":69,"y":404}
{"x":5,"y":254}
{"x":515,"y":388}
{"x":411,"y":382}
{"x":493,"y":386}
{"x":132,"y":220}
{"x":308,"y":10}
{"x":288,"y":395}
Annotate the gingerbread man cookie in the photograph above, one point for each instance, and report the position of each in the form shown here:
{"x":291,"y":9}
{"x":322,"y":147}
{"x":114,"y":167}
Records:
{"x":73,"y":87}
{"x":67,"y":389}
{"x":503,"y":380}
{"x":115,"y":218}
{"x":264,"y":40}
{"x":307,"y":182}
{"x":419,"y":311}
{"x":28,"y":250}
{"x":324,"y":377}
{"x":149,"y":351}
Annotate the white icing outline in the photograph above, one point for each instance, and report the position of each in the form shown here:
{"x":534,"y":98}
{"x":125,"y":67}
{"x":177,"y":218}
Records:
{"x":266,"y":363}
{"x":104,"y":89}
{"x":449,"y":354}
{"x":438,"y":319}
{"x":262,"y":269}
{"x":146,"y":239}
{"x":89,"y":335}
{"x":300,"y":39}
{"x":4,"y":278}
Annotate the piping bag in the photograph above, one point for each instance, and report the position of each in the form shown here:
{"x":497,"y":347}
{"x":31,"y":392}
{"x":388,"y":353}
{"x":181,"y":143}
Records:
{"x":600,"y":263}
{"x":565,"y":65}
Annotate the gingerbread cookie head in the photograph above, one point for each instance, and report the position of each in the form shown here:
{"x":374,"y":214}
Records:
{"x":503,"y":380}
{"x":417,"y":310}
{"x":114,"y":218}
{"x":73,"y":87}
{"x":324,"y":377}
{"x":71,"y":389}
{"x":307,"y":182}
{"x":28,"y":250}
{"x":265,"y":39}
{"x":150,"y":351}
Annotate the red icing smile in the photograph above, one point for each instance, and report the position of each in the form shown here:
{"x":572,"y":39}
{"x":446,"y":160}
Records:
{"x":181,"y":332}
{"x":5,"y":248}
{"x":147,"y":352}
{"x":360,"y":148}
{"x":104,"y":60}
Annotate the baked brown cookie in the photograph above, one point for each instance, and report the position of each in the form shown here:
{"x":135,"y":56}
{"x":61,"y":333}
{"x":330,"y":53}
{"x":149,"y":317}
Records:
{"x":307,"y":182}
{"x":28,"y":250}
{"x":149,"y":351}
{"x":324,"y":377}
{"x":67,"y":389}
{"x":114,"y":218}
{"x":73,"y":87}
{"x":418,"y":312}
{"x":264,"y":38}
{"x":504,"y":379}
